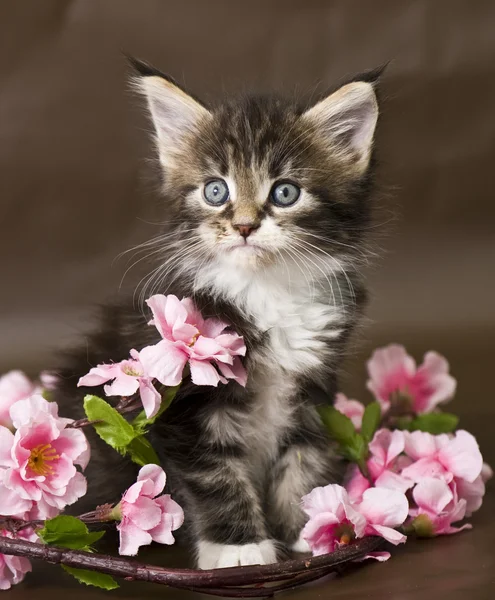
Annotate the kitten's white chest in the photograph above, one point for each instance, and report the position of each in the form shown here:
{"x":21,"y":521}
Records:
{"x":298,"y":324}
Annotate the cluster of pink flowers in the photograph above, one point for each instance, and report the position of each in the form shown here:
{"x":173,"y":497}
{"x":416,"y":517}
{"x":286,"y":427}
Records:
{"x":335,"y":520}
{"x":38,"y":460}
{"x":146,"y":514}
{"x":443,"y":475}
{"x":211,"y":352}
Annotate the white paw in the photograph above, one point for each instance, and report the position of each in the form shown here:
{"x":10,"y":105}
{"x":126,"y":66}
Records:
{"x":301,"y":545}
{"x":216,"y":556}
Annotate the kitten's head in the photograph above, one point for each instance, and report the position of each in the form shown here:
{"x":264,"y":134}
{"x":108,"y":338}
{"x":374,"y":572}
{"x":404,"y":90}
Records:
{"x":258,"y":181}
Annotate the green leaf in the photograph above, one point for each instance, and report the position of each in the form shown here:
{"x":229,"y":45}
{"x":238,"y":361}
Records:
{"x":339,"y":426}
{"x":113,"y":429}
{"x":100,"y":580}
{"x":357,"y":450}
{"x":435,"y":423}
{"x":68,"y":532}
{"x":141,"y":452}
{"x":371,"y":419}
{"x":141,"y":422}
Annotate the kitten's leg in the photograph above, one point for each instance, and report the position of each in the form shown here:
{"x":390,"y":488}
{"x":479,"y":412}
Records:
{"x":305,"y":461}
{"x":228,"y":520}
{"x":220,"y":489}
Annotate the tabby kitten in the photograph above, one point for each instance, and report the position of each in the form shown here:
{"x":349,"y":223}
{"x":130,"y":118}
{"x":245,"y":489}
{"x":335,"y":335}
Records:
{"x":268,"y":205}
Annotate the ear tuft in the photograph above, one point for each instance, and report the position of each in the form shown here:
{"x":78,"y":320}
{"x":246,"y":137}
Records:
{"x":175,"y":113}
{"x":347,"y":119}
{"x":143,"y":69}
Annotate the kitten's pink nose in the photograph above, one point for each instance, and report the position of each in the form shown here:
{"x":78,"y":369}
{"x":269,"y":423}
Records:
{"x":246,"y":230}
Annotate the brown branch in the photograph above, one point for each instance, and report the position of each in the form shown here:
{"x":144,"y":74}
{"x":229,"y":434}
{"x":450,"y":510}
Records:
{"x":220,"y":582}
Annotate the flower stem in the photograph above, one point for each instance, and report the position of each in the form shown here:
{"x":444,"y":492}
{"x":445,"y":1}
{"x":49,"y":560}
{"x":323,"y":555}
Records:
{"x":218,"y":582}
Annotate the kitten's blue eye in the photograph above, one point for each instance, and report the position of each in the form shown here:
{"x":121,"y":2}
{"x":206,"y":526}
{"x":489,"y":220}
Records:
{"x":285,"y":193}
{"x":216,"y":192}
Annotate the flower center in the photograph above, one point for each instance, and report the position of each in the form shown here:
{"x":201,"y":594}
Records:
{"x":194,"y":339}
{"x":40,"y":459}
{"x":345,"y":534}
{"x":132,"y":369}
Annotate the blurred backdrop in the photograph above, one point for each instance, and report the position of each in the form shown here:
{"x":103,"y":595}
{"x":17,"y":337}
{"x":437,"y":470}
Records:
{"x":75,"y":186}
{"x":75,"y":180}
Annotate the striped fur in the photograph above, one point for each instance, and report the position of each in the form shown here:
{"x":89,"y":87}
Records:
{"x":240,"y":459}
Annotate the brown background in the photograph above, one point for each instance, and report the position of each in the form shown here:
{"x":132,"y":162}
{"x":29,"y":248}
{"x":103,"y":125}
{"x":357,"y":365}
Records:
{"x":74,"y":193}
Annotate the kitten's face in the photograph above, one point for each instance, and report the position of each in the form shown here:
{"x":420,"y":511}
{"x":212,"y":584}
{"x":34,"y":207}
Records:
{"x":257,"y":182}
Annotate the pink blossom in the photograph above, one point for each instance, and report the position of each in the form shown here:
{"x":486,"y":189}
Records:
{"x":442,"y":456}
{"x":384,"y":465}
{"x":395,"y":376}
{"x":437,"y":508}
{"x":333,"y":521}
{"x":145,"y":515}
{"x":350,"y":408}
{"x":14,"y":568}
{"x":128,"y":376}
{"x":190,"y":339}
{"x":14,"y":386}
{"x":37,"y":463}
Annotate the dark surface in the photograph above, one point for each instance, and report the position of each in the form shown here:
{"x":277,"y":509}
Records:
{"x":74,"y":179}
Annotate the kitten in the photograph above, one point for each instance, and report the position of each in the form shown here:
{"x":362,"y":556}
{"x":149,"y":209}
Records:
{"x":268,"y":205}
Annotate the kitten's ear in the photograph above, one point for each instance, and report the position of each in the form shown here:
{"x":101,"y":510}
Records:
{"x":175,"y":113}
{"x":347,"y":119}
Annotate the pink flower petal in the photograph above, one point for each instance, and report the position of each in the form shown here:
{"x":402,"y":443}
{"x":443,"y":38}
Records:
{"x":462,"y":456}
{"x":150,"y":398}
{"x":393,"y":481}
{"x":12,"y":503}
{"x":134,"y":492}
{"x":35,"y":408}
{"x":6,"y":443}
{"x":386,"y":445}
{"x":74,"y":444}
{"x":165,"y":362}
{"x":419,"y":444}
{"x":213,"y":328}
{"x":14,"y":386}
{"x":381,"y":506}
{"x":320,"y":533}
{"x":472,"y":493}
{"x":427,"y":467}
{"x":486,"y":472}
{"x":434,"y":382}
{"x":391,"y":535}
{"x":233,"y":343}
{"x":158,"y":305}
{"x":172,"y":519}
{"x":156,"y":476}
{"x":123,"y":385}
{"x":99,"y":375}
{"x":356,"y":484}
{"x":432,"y":494}
{"x":207,"y":348}
{"x":131,"y":538}
{"x":203,"y":373}
{"x":389,"y":369}
{"x":144,"y":513}
{"x":235,"y":371}
{"x":379,"y":556}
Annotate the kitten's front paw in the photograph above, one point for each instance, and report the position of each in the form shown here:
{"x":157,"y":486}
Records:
{"x":216,"y":556}
{"x":301,"y":545}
